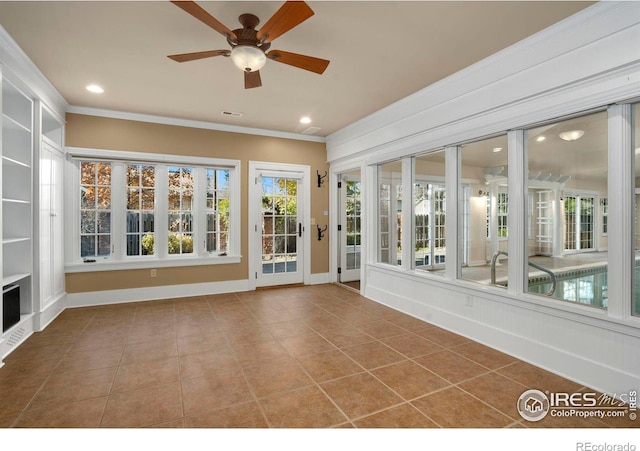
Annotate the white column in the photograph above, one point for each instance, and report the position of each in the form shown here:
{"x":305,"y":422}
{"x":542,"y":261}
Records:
{"x":517,"y":218}
{"x":453,"y":213}
{"x":621,"y":186}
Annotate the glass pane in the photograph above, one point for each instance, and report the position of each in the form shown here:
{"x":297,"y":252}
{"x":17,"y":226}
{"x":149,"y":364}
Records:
{"x":133,"y":175}
{"x":429,"y":211}
{"x":482,"y":201}
{"x":278,"y":242}
{"x":104,"y":222}
{"x":133,"y":244}
{"x":267,"y":225}
{"x":148,"y":199}
{"x":87,"y":197}
{"x":279,"y":224}
{"x":133,"y":199}
{"x":267,"y":245}
{"x":87,"y":173}
{"x":104,"y":198}
{"x":133,"y":222}
{"x":211,"y":242}
{"x":148,"y":176}
{"x":88,"y":222}
{"x":291,"y":244}
{"x":174,"y":199}
{"x":390,"y":213}
{"x":104,"y":245}
{"x":148,"y":244}
{"x":568,"y":165}
{"x":148,"y":220}
{"x":174,"y":222}
{"x":88,"y":246}
{"x":211,"y":222}
{"x":104,"y":174}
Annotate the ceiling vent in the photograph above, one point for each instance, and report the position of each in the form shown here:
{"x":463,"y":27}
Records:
{"x":232,"y":113}
{"x":311,"y":130}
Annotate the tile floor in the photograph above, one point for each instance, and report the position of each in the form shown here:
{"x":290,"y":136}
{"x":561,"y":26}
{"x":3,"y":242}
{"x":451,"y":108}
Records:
{"x":319,"y":356}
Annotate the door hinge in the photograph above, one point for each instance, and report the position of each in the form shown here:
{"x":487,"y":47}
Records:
{"x":339,"y":270}
{"x":339,"y":185}
{"x":339,"y":228}
{"x":256,"y":274}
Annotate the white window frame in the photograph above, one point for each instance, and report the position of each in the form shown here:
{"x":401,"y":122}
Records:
{"x":118,"y":259}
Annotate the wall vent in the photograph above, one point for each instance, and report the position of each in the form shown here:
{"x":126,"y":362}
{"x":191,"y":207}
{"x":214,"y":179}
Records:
{"x":232,"y":113}
{"x":311,"y":130}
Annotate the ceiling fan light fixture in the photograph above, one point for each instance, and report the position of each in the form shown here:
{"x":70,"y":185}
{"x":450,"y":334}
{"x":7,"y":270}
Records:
{"x":248,"y":58}
{"x":572,"y":135}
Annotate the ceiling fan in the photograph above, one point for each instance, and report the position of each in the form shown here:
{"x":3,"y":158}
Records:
{"x":249,"y":46}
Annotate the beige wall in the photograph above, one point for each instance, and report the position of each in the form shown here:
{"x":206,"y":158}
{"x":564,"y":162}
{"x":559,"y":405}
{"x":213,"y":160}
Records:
{"x":116,"y":134}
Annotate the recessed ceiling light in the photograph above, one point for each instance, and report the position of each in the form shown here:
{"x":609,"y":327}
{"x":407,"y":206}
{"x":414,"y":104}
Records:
{"x":305,"y":120}
{"x":497,"y":149}
{"x":95,"y":89}
{"x":540,"y":138}
{"x":571,"y":135}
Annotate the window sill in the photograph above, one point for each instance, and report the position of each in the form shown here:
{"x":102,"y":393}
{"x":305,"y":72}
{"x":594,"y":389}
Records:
{"x":107,"y":265}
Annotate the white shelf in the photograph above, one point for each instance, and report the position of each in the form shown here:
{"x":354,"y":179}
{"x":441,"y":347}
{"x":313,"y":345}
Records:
{"x":8,"y":280}
{"x":9,"y":123}
{"x":16,"y":201}
{"x":14,"y":240}
{"x":10,"y":161}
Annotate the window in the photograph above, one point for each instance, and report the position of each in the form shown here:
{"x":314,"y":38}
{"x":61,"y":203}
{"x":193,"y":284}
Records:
{"x":140,"y":217}
{"x":95,"y":209}
{"x":217,"y":210}
{"x":390,"y":213}
{"x":568,"y":172}
{"x":138,"y":210}
{"x":180,"y":200}
{"x":429,"y":200}
{"x":503,"y":213}
{"x":484,"y":206}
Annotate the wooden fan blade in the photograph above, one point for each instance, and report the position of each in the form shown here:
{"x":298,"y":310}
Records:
{"x":288,"y":16}
{"x":203,"y":16}
{"x":309,"y":63}
{"x":252,"y":79}
{"x":183,"y":57}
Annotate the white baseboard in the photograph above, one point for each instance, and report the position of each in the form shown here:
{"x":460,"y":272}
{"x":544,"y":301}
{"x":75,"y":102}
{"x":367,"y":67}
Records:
{"x":317,"y":279}
{"x":106,"y":297}
{"x":50,"y":312}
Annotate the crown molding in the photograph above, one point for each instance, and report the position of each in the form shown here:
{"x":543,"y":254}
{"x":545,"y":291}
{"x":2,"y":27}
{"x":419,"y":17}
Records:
{"x":113,"y":114}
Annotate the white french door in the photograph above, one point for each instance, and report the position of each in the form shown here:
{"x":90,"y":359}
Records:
{"x":278,"y":212}
{"x":350,"y":228}
{"x":579,"y":216}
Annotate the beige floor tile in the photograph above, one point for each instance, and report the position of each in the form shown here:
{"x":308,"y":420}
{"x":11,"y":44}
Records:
{"x":146,"y":373}
{"x":411,"y":345}
{"x":150,"y":350}
{"x":70,"y":386}
{"x":329,"y":365}
{"x":207,"y":363}
{"x":144,"y":407}
{"x":269,"y":378}
{"x":307,"y":407}
{"x":497,"y":391}
{"x":402,"y":416}
{"x":450,"y":366}
{"x":372,"y":355}
{"x":307,"y":344}
{"x":360,"y":395}
{"x":381,"y":329}
{"x":247,"y":415}
{"x":214,"y":392}
{"x":452,"y":408}
{"x":409,"y":379}
{"x":81,"y":414}
{"x":534,"y":377}
{"x":442,"y":337}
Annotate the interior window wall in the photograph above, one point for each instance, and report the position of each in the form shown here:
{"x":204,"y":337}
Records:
{"x":429,"y":202}
{"x":568,"y":166}
{"x":484,"y":205}
{"x":390,"y":213}
{"x":636,"y":286}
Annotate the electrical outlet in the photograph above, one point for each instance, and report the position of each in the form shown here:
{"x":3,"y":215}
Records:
{"x":313,"y":221}
{"x":154,"y":273}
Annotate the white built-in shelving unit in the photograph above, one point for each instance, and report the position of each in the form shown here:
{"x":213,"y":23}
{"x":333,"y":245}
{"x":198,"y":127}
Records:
{"x":17,"y":202}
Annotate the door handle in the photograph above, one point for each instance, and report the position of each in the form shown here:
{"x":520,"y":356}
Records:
{"x":300,"y":229}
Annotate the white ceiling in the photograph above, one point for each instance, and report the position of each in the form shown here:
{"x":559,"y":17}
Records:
{"x":380,"y":52}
